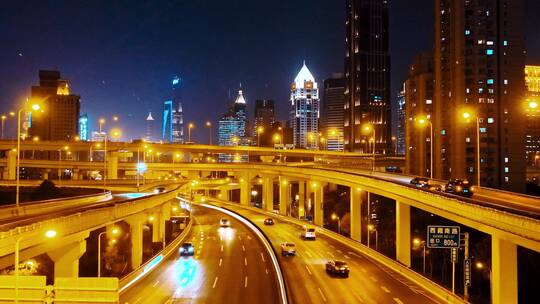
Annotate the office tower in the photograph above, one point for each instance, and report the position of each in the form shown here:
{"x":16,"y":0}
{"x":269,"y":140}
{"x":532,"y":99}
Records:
{"x":264,"y":119}
{"x":479,"y":61}
{"x":149,"y":134}
{"x":173,"y":116}
{"x":59,"y":119}
{"x":83,"y":128}
{"x":304,"y":110}
{"x":232,"y":129}
{"x":332,"y":115}
{"x":400,"y":138}
{"x":367,"y":73}
{"x":418,"y":97}
{"x":532,"y":143}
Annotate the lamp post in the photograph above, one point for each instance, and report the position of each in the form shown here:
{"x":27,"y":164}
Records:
{"x":480,"y":266}
{"x":368,"y":128}
{"x":3,"y":122}
{"x":422,"y":122}
{"x":370,"y":229}
{"x":101,"y":123}
{"x":209,"y":125}
{"x":34,"y":107}
{"x":65,"y":148}
{"x":190,"y":126}
{"x":114,"y":231}
{"x":394,"y":143}
{"x":467,"y":116}
{"x":419,"y":242}
{"x":260,"y":130}
{"x":48,"y":234}
{"x":335,"y":217}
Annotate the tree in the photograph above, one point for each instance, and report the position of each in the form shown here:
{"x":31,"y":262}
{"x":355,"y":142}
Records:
{"x":47,"y":190}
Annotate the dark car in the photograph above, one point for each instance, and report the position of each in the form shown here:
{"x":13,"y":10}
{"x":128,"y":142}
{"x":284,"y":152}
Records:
{"x":159,"y":190}
{"x":459,"y":187}
{"x":335,"y":267}
{"x":186,"y":249}
{"x":268,"y":221}
{"x":419,"y":181}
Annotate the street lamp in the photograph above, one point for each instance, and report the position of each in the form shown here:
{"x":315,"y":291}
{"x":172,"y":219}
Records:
{"x":418,"y":242}
{"x":467,"y":116}
{"x":370,"y":229}
{"x":335,"y":217}
{"x":190,"y":126}
{"x":33,"y":107}
{"x":209,"y":125}
{"x":114,"y":231}
{"x":3,"y":122}
{"x":101,"y":123}
{"x":480,"y":266}
{"x":48,"y":234}
{"x":260,"y":130}
{"x":423,"y":121}
{"x":277,"y":139}
{"x":371,"y":128}
{"x":394,"y":143}
{"x":65,"y":148}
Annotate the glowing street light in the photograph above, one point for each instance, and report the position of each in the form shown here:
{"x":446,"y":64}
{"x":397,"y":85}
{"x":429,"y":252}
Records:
{"x":277,"y":139}
{"x":3,"y":122}
{"x":209,"y":126}
{"x":372,"y":228}
{"x":260,"y":130}
{"x":335,"y":217}
{"x":467,"y":116}
{"x":420,"y":243}
{"x":371,"y":128}
{"x":424,"y":121}
{"x":115,"y":231}
{"x":190,"y":126}
{"x":101,"y":123}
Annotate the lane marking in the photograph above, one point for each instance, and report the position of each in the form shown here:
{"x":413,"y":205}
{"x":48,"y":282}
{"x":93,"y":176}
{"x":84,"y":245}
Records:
{"x":221,"y":248}
{"x":137,"y":301}
{"x":266,"y":270}
{"x":363,"y":269}
{"x":243,"y":248}
{"x":215,"y":282}
{"x":155,"y":284}
{"x":307,"y":268}
{"x":220,"y":260}
{"x":339,"y":251}
{"x":354,"y":254}
{"x":385,"y":289}
{"x":262,"y":257}
{"x":245,"y":282}
{"x":374,"y":279}
{"x":240,"y":237}
{"x":347,"y":257}
{"x":309,"y":253}
{"x":331,"y":254}
{"x":397,"y":300}
{"x":322,"y":294}
{"x":245,"y":261}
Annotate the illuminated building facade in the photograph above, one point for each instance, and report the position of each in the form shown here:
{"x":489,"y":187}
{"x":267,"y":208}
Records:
{"x":479,"y":58}
{"x":59,"y":119}
{"x":173,"y":116}
{"x":83,"y":128}
{"x":264,"y":119}
{"x":232,"y":129}
{"x":332,"y":113}
{"x":149,"y":122}
{"x":304,"y":110}
{"x":367,"y":73}
{"x":532,"y":143}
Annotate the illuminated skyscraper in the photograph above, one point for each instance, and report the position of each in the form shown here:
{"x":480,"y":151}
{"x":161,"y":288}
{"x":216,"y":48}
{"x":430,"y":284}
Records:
{"x":367,"y":70}
{"x":304,"y":110}
{"x":400,"y":138}
{"x":264,"y":118}
{"x":332,"y":112}
{"x":173,"y":117}
{"x":532,"y":144}
{"x":83,"y":128}
{"x":149,"y":135}
{"x":232,"y":128}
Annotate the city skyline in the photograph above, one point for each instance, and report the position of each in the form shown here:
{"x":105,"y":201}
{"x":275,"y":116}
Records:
{"x":99,"y":85}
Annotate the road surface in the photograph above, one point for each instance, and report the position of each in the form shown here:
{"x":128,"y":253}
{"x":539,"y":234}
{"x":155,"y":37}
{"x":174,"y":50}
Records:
{"x":230,"y":266}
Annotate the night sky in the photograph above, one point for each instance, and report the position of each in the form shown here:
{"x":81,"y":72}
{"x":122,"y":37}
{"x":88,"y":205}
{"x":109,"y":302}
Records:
{"x":120,"y":56}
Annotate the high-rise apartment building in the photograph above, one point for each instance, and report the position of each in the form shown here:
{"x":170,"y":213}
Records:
{"x":400,"y":137}
{"x":173,"y":115}
{"x":60,"y":118}
{"x":532,"y":108}
{"x":418,"y":96}
{"x":304,"y":110}
{"x":264,"y":120}
{"x":479,"y":60}
{"x":367,"y":73}
{"x":332,"y":112}
{"x":149,"y":123}
{"x":83,"y":128}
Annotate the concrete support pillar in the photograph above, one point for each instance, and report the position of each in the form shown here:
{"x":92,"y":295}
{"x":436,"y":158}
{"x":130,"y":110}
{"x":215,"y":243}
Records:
{"x":156,"y":223}
{"x":504,"y":275}
{"x":268,"y":193}
{"x":245,"y":190}
{"x":165,"y":216}
{"x":224,"y":194}
{"x":284,"y":195}
{"x":12,"y":165}
{"x":318,"y":208}
{"x":45,"y":174}
{"x":66,"y":259}
{"x":356,"y":214}
{"x":403,"y":233}
{"x":112,"y":165}
{"x":136,"y":239}
{"x":301,"y":198}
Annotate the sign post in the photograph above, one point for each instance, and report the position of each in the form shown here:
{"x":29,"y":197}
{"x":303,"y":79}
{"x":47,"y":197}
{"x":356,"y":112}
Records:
{"x":448,"y":237}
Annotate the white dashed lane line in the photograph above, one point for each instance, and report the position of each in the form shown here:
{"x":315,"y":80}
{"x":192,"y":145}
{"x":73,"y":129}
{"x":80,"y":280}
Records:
{"x":245,"y":282}
{"x":307,"y":268}
{"x":322,"y":294}
{"x":215,"y":282}
{"x":398,"y":301}
{"x":155,"y":284}
{"x":262,"y":257}
{"x":385,"y":289}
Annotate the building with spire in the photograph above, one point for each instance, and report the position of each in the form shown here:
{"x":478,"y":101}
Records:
{"x":304,"y":110}
{"x":173,"y":115}
{"x":149,"y":135}
{"x":232,"y":128}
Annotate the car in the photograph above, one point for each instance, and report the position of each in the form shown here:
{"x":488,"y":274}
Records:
{"x":288,"y":248}
{"x":432,"y":187}
{"x":268,"y":221}
{"x":186,"y":249}
{"x":459,"y":187}
{"x":335,"y":267}
{"x":159,"y":190}
{"x":224,"y":222}
{"x":419,"y":181}
{"x":308,"y":233}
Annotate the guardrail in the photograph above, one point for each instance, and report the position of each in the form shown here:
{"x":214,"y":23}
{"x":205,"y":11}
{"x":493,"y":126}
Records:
{"x":52,"y":205}
{"x":147,"y":267}
{"x":439,"y":291}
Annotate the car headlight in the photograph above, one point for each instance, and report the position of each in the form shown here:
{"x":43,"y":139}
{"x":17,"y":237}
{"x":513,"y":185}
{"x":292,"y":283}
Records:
{"x":190,"y":249}
{"x":181,"y":249}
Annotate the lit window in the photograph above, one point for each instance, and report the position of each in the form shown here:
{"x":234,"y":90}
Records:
{"x":489,"y":52}
{"x":443,"y":132}
{"x":468,"y":139}
{"x":468,"y":90}
{"x":506,"y":170}
{"x":483,"y":130}
{"x":506,"y":160}
{"x":429,"y":101}
{"x":467,"y":32}
{"x":506,"y":81}
{"x":506,"y":179}
{"x":490,"y":81}
{"x":491,"y":120}
{"x":489,"y":42}
{"x":505,"y":43}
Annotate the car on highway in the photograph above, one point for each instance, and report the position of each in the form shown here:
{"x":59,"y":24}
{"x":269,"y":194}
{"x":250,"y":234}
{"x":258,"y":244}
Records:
{"x":288,"y":248}
{"x":459,"y":187}
{"x":224,"y":222}
{"x":335,"y":267}
{"x":159,"y":190}
{"x":186,"y":249}
{"x":419,"y":181}
{"x":308,"y":233}
{"x":268,"y":221}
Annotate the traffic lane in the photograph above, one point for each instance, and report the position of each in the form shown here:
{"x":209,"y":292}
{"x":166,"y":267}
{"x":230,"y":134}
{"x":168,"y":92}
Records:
{"x":217,"y":270}
{"x":375,"y":284}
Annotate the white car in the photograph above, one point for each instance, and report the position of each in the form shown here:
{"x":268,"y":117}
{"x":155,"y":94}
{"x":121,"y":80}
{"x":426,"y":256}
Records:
{"x":308,"y":233}
{"x":224,"y":222}
{"x":288,"y":249}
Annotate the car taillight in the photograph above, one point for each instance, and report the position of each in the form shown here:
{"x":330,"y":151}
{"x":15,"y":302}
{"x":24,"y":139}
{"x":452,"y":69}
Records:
{"x":458,"y":188}
{"x":473,"y":189}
